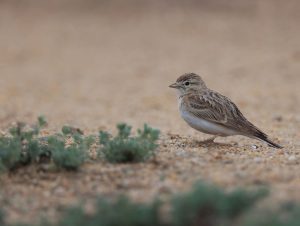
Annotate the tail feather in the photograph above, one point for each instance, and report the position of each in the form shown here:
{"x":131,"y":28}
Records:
{"x":272,"y":144}
{"x":263,"y":137}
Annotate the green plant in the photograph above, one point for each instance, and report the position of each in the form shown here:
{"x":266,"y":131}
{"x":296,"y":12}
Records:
{"x":70,"y":158}
{"x":2,"y":166}
{"x":24,"y":145}
{"x":1,"y":218}
{"x":288,"y":214}
{"x":203,"y":206}
{"x":208,"y":206}
{"x":112,"y":213}
{"x":69,"y":149}
{"x":21,"y":146}
{"x":10,"y":153}
{"x":123,"y":148}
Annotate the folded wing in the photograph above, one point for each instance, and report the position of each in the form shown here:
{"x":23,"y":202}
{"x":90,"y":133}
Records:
{"x":219,"y":109}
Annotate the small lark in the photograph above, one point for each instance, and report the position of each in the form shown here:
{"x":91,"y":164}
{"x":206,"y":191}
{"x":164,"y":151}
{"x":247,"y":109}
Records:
{"x":210,"y":112}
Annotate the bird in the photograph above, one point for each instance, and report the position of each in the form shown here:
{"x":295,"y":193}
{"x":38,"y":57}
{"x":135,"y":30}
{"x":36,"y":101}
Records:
{"x":213,"y":113}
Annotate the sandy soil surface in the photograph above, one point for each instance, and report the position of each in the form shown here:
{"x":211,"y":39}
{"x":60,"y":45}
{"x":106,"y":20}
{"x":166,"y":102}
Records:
{"x":95,"y":64}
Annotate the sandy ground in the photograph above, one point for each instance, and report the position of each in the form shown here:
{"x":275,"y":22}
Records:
{"x":95,"y":64}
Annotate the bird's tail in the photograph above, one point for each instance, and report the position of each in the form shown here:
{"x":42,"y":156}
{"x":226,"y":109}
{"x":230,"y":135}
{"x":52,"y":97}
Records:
{"x":272,"y":144}
{"x":263,"y":137}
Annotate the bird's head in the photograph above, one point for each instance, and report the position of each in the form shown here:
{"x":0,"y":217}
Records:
{"x":188,"y":83}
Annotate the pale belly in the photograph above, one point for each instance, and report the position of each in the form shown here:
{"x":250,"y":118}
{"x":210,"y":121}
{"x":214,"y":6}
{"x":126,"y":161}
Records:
{"x":205,"y":126}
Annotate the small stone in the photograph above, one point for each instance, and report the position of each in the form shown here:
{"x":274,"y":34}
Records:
{"x":254,"y":147}
{"x":292,"y":158}
{"x":278,"y":118}
{"x":60,"y":191}
{"x":182,"y":153}
{"x":228,"y":161}
{"x":257,"y":160}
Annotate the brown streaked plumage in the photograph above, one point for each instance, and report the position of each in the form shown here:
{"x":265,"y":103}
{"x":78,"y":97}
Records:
{"x":210,"y":112}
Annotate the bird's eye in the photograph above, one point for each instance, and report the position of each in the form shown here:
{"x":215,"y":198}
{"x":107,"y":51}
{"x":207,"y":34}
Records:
{"x":187,"y":83}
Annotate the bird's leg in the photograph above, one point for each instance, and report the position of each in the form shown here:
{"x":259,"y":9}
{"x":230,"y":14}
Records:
{"x":204,"y":143}
{"x":211,"y":139}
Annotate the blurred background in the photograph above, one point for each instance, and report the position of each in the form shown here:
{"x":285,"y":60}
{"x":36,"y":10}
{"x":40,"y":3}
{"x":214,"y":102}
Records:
{"x":95,"y":63}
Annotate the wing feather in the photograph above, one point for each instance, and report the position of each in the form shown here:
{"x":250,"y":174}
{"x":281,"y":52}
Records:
{"x":219,"y":109}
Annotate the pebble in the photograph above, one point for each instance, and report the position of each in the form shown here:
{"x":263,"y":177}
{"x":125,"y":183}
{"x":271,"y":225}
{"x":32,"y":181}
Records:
{"x":181,"y":153}
{"x":254,"y":147}
{"x":278,"y":118}
{"x":59,"y":191}
{"x":257,"y":160}
{"x":292,"y":158}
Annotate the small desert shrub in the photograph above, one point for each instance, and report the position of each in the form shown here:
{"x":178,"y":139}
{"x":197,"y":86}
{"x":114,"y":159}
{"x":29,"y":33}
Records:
{"x":24,"y":145}
{"x":288,"y":214}
{"x":69,"y":149}
{"x":10,"y":153}
{"x":69,"y":156}
{"x":208,"y":206}
{"x":203,"y":206}
{"x":124,"y":148}
{"x":2,"y":166}
{"x":1,"y":218}
{"x":21,"y":146}
{"x":112,"y":213}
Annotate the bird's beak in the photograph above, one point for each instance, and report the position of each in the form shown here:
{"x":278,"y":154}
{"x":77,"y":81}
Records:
{"x":174,"y":85}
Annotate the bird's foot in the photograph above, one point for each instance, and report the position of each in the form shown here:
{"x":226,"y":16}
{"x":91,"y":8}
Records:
{"x":208,"y":142}
{"x":211,"y":143}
